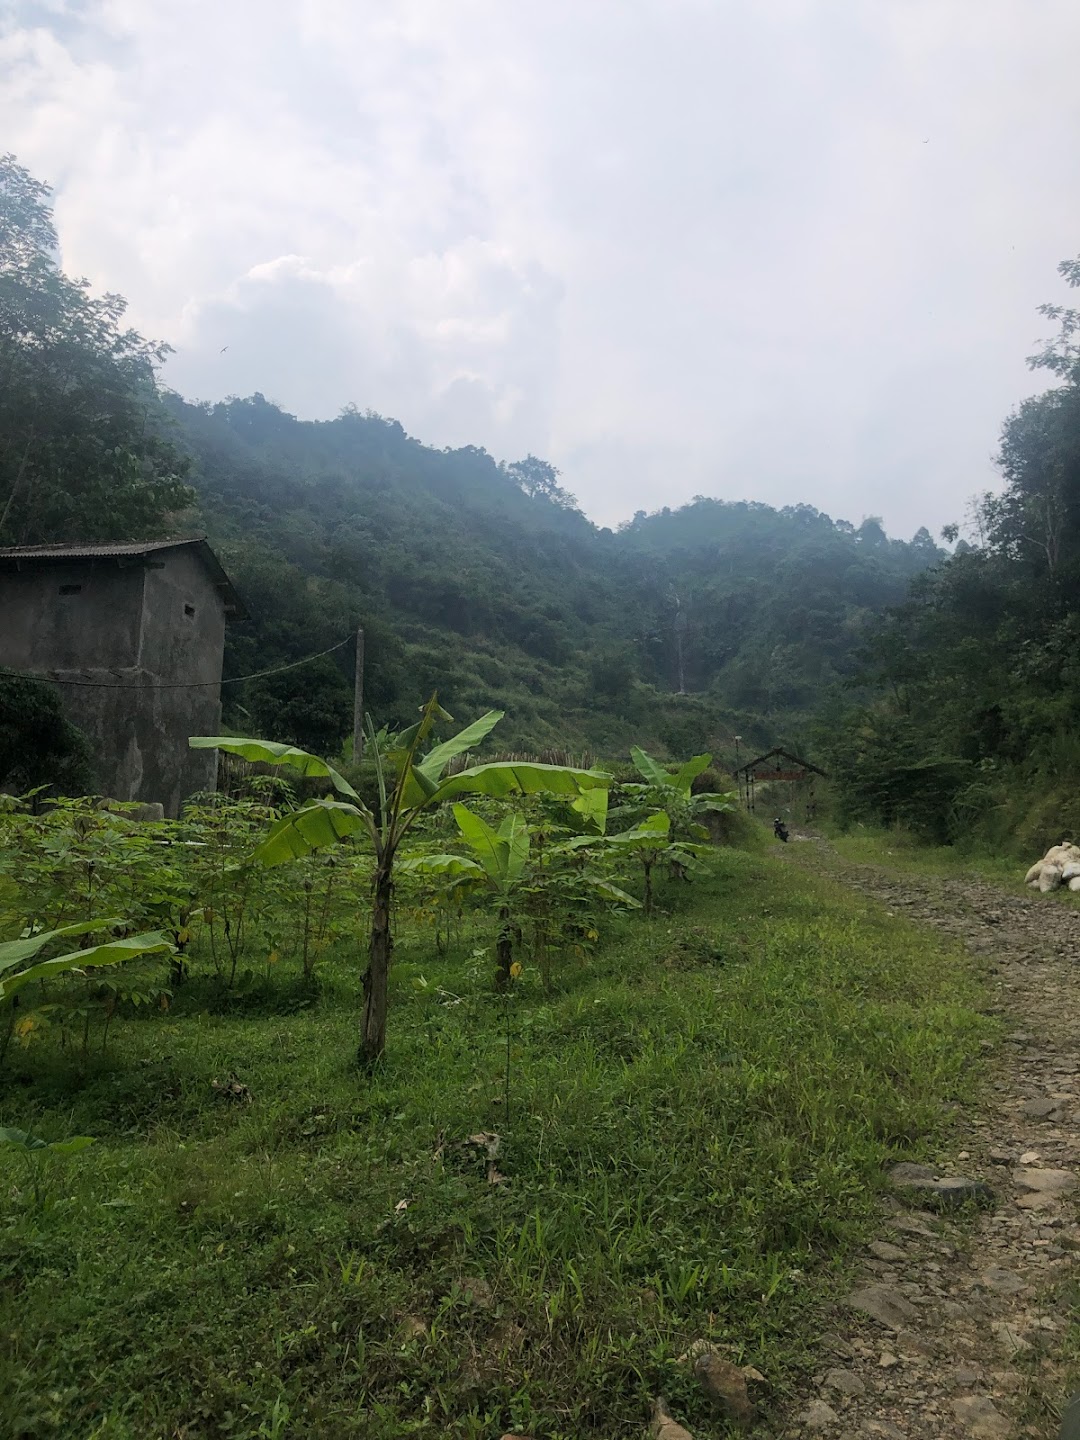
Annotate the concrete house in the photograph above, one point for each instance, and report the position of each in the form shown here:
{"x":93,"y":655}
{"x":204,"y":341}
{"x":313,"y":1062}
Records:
{"x":141,"y":626}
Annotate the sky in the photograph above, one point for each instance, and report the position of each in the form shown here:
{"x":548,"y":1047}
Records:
{"x":782,"y":250}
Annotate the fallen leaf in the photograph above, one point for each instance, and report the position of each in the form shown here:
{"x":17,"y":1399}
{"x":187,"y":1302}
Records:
{"x":233,"y":1089}
{"x":401,"y":1205}
{"x":696,"y":1348}
{"x":485,"y":1139}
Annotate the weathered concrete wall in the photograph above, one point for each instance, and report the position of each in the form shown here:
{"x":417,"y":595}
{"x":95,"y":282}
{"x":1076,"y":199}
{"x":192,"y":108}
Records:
{"x":126,"y":626}
{"x":97,"y":624}
{"x":182,"y":639}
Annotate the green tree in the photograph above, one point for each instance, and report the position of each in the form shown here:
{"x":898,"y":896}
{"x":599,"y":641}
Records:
{"x":310,"y":707}
{"x":83,"y":450}
{"x":38,"y":746}
{"x":540,"y":481}
{"x":975,"y":677}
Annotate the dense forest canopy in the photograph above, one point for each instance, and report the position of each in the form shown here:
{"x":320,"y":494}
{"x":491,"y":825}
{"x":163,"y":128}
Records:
{"x":977,"y":674}
{"x":471,"y":577}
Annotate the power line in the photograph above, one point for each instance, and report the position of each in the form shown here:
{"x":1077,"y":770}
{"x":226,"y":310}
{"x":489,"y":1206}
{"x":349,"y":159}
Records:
{"x":181,"y":685}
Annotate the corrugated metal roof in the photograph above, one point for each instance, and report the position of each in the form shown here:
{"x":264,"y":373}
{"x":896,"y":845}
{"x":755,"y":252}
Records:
{"x":134,"y":550}
{"x":105,"y":549}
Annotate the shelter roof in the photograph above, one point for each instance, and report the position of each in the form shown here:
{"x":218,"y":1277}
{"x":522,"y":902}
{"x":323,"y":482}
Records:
{"x":120,"y":550}
{"x":786,"y":755}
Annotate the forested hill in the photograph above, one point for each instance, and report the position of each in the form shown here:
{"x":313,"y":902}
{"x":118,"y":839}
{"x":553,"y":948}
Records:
{"x":478,"y":579}
{"x":483,"y":580}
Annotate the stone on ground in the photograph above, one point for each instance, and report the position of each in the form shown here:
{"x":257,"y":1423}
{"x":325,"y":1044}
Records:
{"x":885,"y":1305}
{"x":982,"y":1417}
{"x":664,"y":1424}
{"x":725,"y":1385}
{"x":844,"y":1382}
{"x":819,"y":1416}
{"x":947,"y":1192}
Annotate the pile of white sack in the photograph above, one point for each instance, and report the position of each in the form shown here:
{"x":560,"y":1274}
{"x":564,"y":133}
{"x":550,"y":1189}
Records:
{"x":1059,"y":866}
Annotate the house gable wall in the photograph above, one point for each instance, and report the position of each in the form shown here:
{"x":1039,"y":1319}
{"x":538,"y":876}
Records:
{"x":125,"y":627}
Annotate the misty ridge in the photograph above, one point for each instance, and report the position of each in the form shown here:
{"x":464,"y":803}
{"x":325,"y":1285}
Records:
{"x":484,"y":581}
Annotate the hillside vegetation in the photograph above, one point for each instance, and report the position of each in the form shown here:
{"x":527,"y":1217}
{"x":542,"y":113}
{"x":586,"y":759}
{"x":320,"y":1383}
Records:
{"x":974,"y":734}
{"x":480,"y":579}
{"x":681,"y":628}
{"x":942,"y":691}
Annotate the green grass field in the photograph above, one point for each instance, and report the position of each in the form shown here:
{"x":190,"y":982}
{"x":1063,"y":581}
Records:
{"x":689,"y":1143}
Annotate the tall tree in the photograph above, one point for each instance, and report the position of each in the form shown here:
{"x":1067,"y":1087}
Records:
{"x":540,"y":480}
{"x":978,"y":674}
{"x":83,"y":448}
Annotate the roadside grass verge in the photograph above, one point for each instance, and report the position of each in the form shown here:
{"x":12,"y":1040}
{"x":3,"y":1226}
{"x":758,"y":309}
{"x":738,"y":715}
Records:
{"x":900,"y":850}
{"x":689,"y":1146}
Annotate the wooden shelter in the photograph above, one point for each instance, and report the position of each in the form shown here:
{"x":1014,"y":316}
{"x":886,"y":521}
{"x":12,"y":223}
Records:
{"x":779,"y":765}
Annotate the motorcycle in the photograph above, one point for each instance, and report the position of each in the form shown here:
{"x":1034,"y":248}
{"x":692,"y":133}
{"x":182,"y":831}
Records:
{"x":780,"y":830}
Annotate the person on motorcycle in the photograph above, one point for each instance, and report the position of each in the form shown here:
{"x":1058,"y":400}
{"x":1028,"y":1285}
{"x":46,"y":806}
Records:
{"x":780,"y":830}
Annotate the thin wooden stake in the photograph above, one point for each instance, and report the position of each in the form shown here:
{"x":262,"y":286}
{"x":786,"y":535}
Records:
{"x":358,"y":700}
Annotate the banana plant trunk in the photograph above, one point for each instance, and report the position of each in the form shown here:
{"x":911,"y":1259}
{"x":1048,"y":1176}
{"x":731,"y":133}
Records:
{"x":504,"y":950}
{"x":373,"y":1022}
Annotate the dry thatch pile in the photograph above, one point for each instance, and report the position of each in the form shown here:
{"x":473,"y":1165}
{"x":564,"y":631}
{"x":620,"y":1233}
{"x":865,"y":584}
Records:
{"x":1059,"y":866}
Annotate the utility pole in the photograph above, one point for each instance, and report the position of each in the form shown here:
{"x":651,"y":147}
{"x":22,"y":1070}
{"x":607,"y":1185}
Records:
{"x":358,"y":700}
{"x":678,"y":627}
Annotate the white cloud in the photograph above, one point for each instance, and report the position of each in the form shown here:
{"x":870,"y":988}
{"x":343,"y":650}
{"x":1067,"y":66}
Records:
{"x":784,"y":249}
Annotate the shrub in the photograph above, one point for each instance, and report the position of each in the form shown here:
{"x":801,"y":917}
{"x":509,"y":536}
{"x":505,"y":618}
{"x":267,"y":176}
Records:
{"x":38,"y":746}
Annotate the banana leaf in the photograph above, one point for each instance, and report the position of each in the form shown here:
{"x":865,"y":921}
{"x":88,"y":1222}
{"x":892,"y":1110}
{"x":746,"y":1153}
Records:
{"x":645,"y":765}
{"x":271,"y":752}
{"x":312,"y":827}
{"x":112,"y":952}
{"x":685,"y":777}
{"x":436,"y":761}
{"x":14,"y":952}
{"x":512,"y":777}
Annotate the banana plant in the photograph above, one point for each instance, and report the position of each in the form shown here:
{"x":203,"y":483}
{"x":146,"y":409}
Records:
{"x":497,"y":864}
{"x":673,"y":793}
{"x":517,"y":864}
{"x":410,"y":782}
{"x":20,"y":967}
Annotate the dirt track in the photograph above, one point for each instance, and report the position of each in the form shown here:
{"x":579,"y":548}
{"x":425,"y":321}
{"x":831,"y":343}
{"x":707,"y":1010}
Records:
{"x":981,"y":1298}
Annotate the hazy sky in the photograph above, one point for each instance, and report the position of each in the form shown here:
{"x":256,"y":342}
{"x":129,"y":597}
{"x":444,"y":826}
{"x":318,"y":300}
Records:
{"x":787,"y":250}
